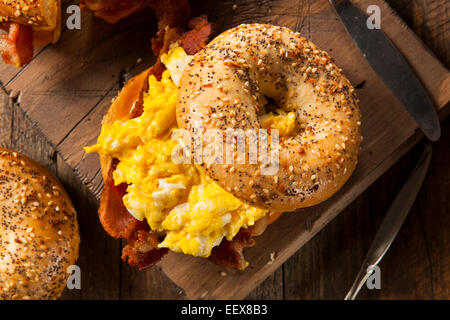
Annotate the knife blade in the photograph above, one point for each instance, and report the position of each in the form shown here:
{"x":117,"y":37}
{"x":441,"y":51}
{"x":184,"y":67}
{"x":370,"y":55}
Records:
{"x":392,"y":222}
{"x":391,"y":66}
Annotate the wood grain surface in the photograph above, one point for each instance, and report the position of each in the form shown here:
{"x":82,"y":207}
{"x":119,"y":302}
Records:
{"x":415,"y":267}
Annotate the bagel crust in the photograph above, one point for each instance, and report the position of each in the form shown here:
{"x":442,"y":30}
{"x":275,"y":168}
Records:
{"x":39,"y":236}
{"x":225,"y":86}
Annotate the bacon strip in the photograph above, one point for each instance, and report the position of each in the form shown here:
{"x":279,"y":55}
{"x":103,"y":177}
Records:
{"x":230,"y":254}
{"x":196,"y":39}
{"x":16,"y":46}
{"x":142,"y":249}
{"x":114,"y":217}
{"x":142,"y":244}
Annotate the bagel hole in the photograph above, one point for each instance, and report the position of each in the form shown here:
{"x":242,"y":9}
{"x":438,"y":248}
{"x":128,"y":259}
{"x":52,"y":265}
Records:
{"x":275,"y":115}
{"x":270,"y":106}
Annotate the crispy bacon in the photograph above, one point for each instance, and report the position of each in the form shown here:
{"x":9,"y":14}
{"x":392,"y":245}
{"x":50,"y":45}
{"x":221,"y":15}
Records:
{"x":230,"y":254}
{"x":196,"y":39}
{"x":142,"y":249}
{"x":142,"y":244}
{"x":191,"y":41}
{"x":16,"y":46}
{"x":114,"y":217}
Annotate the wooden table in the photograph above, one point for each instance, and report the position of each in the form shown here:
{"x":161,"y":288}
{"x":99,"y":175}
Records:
{"x":416,"y":266}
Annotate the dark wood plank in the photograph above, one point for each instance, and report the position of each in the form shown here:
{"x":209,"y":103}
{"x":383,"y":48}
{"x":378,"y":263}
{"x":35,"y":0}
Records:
{"x":149,"y":284}
{"x":6,"y":119}
{"x":269,"y":289}
{"x":7,"y":72}
{"x":433,"y":213}
{"x":320,"y":269}
{"x":29,"y":140}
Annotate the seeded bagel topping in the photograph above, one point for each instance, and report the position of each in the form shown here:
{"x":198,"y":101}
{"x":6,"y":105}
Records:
{"x":27,"y":11}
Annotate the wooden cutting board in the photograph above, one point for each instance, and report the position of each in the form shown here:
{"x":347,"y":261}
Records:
{"x":68,"y":87}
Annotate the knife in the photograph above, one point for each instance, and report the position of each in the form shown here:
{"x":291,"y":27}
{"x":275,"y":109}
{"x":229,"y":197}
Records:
{"x":392,"y":222}
{"x":391,"y":66}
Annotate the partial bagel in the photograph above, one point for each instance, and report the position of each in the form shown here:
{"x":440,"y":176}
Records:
{"x":39,"y":236}
{"x":225,"y":87}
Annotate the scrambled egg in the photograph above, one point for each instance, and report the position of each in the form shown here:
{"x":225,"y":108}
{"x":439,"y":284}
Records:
{"x":284,"y":122}
{"x":180,"y":199}
{"x":175,"y":61}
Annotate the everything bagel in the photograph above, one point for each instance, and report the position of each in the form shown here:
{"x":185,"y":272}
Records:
{"x":227,"y":86}
{"x":39,"y":235}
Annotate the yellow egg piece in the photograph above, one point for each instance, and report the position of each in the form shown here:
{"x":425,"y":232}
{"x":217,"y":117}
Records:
{"x":284,"y":122}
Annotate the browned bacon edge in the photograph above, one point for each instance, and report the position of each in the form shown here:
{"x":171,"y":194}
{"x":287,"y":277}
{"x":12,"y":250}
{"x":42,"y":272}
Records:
{"x":16,"y":46}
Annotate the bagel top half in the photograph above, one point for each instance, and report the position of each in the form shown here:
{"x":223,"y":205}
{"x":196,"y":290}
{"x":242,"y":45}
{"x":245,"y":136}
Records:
{"x":227,"y":85}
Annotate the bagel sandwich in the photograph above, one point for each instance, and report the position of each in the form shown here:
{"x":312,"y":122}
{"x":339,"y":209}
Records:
{"x":27,"y":23}
{"x":215,"y":210}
